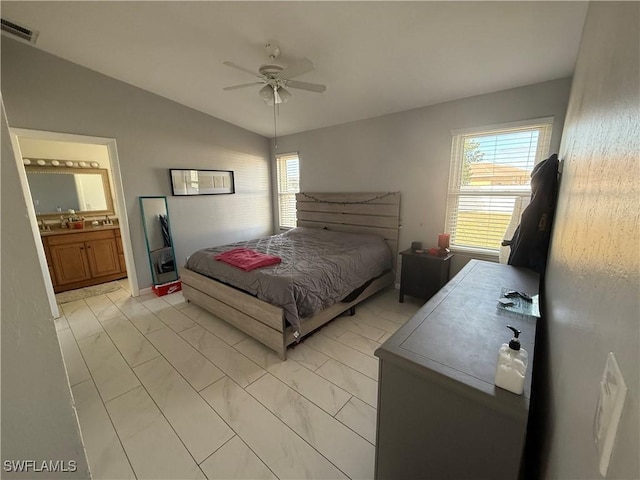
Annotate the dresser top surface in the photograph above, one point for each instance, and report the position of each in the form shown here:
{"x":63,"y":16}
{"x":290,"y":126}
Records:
{"x":456,"y":335}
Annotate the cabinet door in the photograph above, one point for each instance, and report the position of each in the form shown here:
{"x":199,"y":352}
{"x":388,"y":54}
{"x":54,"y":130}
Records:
{"x":69,"y":263}
{"x":52,"y":274}
{"x":123,"y":265}
{"x":420,"y":277}
{"x":103,"y":257}
{"x":47,"y":254}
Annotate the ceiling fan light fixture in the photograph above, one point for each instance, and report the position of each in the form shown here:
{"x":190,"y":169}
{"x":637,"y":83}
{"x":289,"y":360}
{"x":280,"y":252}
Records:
{"x":266,"y":93}
{"x":285,"y":95}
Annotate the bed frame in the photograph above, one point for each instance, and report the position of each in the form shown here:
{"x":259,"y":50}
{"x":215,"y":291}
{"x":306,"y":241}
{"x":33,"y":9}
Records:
{"x":377,"y":213}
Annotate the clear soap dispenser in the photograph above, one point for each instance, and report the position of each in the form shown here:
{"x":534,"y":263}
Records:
{"x":512,"y":364}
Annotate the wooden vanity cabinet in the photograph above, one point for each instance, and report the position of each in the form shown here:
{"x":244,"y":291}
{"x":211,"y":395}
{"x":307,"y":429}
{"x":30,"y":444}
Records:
{"x":123,"y":265}
{"x":80,"y":259}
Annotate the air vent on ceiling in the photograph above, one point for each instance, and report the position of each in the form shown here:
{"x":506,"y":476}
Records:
{"x":19,"y":31}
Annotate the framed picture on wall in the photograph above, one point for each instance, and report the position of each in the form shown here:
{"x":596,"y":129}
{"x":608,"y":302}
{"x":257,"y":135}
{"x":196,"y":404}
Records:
{"x":201,"y":182}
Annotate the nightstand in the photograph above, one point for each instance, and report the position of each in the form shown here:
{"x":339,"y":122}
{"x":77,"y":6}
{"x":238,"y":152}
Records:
{"x":422,"y":275}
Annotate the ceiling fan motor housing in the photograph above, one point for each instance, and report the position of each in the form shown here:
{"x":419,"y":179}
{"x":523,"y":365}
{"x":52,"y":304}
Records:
{"x":269,"y":69}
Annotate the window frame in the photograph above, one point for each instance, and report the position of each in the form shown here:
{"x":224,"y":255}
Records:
{"x":454,"y":191}
{"x":281,"y":158}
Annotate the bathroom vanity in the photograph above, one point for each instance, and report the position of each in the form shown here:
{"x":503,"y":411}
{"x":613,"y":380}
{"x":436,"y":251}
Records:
{"x":76,"y":195}
{"x":83,"y":257}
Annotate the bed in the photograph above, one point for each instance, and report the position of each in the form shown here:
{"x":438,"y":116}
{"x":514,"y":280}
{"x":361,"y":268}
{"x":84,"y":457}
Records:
{"x":357,"y":223}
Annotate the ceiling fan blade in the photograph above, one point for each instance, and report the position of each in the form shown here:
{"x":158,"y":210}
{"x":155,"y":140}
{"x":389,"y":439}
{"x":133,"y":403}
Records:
{"x":303,"y":66}
{"x":312,"y":87}
{"x":243,"y":85}
{"x":233,"y":65}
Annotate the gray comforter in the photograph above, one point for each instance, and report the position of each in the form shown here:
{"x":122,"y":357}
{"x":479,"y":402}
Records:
{"x":319,"y":268}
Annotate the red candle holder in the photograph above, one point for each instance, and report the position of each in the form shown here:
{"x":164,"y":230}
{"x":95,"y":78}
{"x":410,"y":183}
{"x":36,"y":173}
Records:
{"x":443,"y":243}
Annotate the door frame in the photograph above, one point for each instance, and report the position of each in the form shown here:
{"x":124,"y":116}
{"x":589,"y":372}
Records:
{"x":119,"y":198}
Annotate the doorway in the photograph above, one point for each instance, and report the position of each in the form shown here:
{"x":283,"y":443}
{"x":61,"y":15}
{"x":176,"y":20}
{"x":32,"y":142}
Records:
{"x":32,"y":137}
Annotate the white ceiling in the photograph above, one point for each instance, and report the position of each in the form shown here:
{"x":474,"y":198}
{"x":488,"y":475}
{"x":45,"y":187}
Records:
{"x":375,"y":57}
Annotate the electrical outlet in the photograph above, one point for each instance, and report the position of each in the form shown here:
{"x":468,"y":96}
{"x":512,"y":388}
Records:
{"x":613,"y":392}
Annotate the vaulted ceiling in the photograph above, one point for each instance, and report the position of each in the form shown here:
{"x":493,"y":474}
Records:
{"x":374,"y":57}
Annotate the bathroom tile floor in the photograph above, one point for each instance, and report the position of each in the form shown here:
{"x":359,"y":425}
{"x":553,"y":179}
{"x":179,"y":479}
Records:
{"x":163,"y":389}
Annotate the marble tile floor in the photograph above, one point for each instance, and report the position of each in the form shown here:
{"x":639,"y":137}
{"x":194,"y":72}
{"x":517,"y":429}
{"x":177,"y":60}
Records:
{"x":163,"y":389}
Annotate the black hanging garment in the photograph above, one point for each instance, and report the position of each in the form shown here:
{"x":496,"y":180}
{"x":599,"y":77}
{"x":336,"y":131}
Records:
{"x":530,"y":242}
{"x":164,"y":225}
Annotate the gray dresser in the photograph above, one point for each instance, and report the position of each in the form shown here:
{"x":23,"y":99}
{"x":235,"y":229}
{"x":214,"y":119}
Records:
{"x":439,"y":413}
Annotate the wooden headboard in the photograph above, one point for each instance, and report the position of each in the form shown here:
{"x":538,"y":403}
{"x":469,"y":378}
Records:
{"x":375,"y":213}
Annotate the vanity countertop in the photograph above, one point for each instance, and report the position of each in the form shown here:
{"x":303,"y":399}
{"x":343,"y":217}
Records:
{"x":70,"y":231}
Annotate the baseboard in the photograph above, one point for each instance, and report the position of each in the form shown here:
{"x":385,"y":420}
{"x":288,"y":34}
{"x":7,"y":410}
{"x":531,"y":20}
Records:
{"x":144,"y":291}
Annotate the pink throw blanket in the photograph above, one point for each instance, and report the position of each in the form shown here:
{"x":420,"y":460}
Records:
{"x":247,"y":259}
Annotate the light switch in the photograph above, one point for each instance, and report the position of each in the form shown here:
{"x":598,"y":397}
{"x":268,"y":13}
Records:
{"x":613,"y":392}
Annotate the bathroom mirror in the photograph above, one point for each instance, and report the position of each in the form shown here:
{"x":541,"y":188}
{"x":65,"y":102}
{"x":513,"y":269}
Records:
{"x":157,"y":234}
{"x":55,"y":190}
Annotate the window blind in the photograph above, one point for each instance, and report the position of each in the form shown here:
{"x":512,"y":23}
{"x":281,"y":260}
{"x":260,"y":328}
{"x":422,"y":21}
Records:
{"x":288,"y":172}
{"x":490,"y":169}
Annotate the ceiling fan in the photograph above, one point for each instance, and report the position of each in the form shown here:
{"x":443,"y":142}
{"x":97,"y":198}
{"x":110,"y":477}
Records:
{"x":276,"y":77}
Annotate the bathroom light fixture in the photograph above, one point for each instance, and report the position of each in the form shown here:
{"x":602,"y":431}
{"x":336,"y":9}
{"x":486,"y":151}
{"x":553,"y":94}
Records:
{"x":44,"y":162}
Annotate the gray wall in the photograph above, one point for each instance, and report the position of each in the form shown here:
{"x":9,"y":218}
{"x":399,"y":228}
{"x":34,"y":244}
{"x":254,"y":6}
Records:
{"x":38,"y":418}
{"x":593,"y":283}
{"x":153,"y":134}
{"x":410,"y":152}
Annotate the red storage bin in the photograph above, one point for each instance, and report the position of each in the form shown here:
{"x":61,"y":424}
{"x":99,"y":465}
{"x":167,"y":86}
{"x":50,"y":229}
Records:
{"x":167,"y":288}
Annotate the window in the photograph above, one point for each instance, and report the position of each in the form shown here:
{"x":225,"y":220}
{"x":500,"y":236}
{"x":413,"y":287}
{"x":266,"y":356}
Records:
{"x":491,"y":171}
{"x":288,"y":171}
